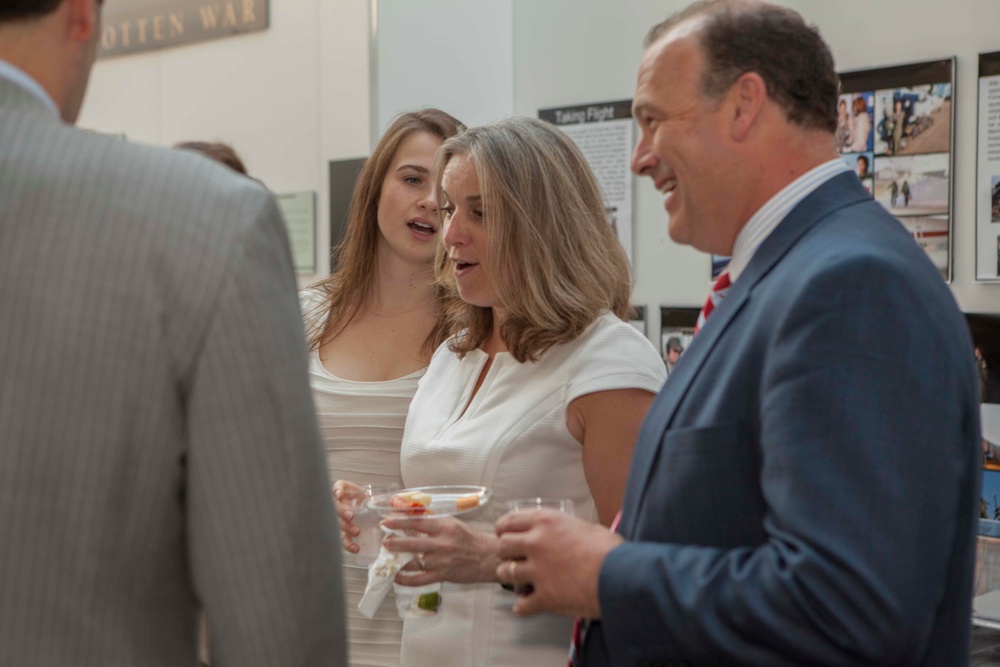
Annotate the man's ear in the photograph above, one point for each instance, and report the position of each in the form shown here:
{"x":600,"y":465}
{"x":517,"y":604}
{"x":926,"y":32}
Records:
{"x":747,"y":97}
{"x":82,"y":18}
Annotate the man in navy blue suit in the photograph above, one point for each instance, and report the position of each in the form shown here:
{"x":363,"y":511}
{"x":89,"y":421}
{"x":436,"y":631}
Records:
{"x":805,"y":487}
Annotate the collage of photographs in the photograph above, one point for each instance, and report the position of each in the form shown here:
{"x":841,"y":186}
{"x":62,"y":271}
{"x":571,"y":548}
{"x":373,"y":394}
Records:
{"x":894,"y":128}
{"x":988,"y":171}
{"x":985,"y":330}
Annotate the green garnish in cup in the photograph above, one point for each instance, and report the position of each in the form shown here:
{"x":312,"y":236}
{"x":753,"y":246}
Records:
{"x":429,"y":601}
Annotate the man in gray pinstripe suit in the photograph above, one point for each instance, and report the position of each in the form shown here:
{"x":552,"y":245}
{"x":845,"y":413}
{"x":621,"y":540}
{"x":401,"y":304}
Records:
{"x":158,"y":447}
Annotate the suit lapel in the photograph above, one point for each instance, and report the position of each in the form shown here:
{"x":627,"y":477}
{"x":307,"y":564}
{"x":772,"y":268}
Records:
{"x":664,"y":408}
{"x":840,"y":191}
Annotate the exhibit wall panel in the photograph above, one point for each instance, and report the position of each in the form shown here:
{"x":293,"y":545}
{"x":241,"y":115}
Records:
{"x":289,"y":99}
{"x":569,"y":52}
{"x":887,"y":32}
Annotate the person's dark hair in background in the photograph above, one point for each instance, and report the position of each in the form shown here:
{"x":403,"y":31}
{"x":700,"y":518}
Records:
{"x":859,"y":105}
{"x":672,"y":353}
{"x":737,"y":42}
{"x":218,"y":151}
{"x":12,"y":10}
{"x":862,"y":166}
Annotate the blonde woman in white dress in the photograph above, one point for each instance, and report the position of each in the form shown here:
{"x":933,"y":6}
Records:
{"x":372,"y":326}
{"x":540,"y":394}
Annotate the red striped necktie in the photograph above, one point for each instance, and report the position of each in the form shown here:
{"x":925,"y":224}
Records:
{"x":581,"y":625}
{"x":719,"y":290}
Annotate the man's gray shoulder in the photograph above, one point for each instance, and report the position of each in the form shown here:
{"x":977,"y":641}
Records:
{"x":177,"y":224}
{"x":170,"y":183}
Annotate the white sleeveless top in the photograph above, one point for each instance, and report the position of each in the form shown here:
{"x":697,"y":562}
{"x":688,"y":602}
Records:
{"x":512,"y":438}
{"x":362,"y":426}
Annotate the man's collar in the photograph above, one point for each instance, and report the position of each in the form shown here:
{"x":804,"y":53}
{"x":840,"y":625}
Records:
{"x":767,"y":217}
{"x":24,"y":80}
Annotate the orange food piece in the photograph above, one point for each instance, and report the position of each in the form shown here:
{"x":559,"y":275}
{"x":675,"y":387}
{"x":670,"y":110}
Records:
{"x":467,"y":502}
{"x":413,"y":502}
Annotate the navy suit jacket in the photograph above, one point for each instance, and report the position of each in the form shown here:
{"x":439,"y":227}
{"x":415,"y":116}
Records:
{"x":805,"y":487}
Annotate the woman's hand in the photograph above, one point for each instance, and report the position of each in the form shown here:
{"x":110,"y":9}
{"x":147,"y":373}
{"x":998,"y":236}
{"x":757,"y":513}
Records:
{"x":449,"y":551}
{"x":347,"y":494}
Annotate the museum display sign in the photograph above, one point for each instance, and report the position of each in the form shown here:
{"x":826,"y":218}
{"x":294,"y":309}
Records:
{"x":131,"y":26}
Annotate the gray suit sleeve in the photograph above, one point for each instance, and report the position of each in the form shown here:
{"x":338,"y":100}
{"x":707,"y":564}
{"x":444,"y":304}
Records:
{"x":261,"y":527}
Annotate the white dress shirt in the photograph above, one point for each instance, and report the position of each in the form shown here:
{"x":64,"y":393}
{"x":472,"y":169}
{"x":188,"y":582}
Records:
{"x":763,"y":222}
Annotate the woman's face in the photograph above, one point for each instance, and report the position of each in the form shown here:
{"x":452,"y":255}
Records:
{"x":465,"y":233}
{"x":408,"y":217}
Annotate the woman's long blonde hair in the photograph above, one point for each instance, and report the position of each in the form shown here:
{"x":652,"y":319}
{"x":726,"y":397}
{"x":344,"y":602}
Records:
{"x":355,"y":277}
{"x":554,"y":259}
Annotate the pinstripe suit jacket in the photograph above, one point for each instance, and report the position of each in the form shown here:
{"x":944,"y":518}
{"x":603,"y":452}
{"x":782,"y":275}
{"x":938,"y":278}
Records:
{"x":158,"y":447}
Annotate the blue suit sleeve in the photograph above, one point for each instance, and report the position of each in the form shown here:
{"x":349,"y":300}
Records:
{"x":863,"y":431}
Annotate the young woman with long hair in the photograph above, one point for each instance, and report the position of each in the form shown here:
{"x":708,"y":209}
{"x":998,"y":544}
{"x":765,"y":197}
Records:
{"x":372,"y":327}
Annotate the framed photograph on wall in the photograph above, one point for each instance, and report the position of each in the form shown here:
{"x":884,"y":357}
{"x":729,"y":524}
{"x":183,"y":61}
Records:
{"x":299,"y":211}
{"x":676,"y":332}
{"x":895,"y":128}
{"x":988,"y":170}
{"x":985,"y":330}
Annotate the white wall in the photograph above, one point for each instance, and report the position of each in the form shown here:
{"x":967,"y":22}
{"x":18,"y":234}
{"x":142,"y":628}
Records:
{"x":289,"y":99}
{"x":452,"y":54}
{"x":576,"y":51}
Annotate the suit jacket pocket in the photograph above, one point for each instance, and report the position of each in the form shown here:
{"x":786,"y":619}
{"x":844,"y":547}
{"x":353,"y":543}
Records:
{"x":704,"y":489}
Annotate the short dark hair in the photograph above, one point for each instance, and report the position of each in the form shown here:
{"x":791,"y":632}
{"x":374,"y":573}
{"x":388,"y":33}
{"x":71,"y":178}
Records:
{"x":13,"y":10}
{"x":859,"y":105}
{"x":741,"y":36}
{"x":218,"y":151}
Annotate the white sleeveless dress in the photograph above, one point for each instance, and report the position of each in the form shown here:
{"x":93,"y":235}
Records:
{"x":513,"y":439}
{"x":362,"y":426}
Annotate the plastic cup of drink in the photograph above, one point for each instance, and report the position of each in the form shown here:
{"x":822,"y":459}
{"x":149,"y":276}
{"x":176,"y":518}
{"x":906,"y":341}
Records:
{"x":369,"y":540}
{"x":564,"y":505}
